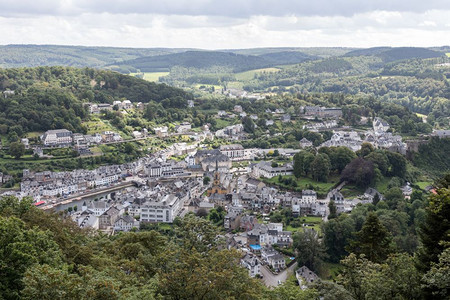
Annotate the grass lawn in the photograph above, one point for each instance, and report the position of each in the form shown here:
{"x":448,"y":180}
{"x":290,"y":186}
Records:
{"x":352,"y":191}
{"x":249,"y":75}
{"x":97,"y":126}
{"x":34,"y":134}
{"x":235,"y":85}
{"x":315,"y":221}
{"x":220,"y":123}
{"x":304,"y":183}
{"x":154,"y":76}
{"x":330,"y":271}
{"x":423,"y":184}
{"x":382,"y":186}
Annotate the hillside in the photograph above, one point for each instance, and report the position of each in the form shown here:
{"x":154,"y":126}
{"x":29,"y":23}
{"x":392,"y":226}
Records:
{"x":77,"y":56}
{"x":199,"y":60}
{"x":52,"y":97}
{"x":288,"y":57}
{"x":388,"y":54}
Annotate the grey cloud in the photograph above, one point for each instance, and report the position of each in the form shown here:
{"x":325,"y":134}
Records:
{"x":225,"y":8}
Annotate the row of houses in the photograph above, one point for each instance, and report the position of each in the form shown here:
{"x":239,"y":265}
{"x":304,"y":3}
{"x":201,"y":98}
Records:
{"x":321,"y":112}
{"x":66,"y":138}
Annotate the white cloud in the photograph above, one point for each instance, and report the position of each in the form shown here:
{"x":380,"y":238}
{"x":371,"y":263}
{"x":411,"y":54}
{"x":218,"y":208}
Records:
{"x":226,"y":25}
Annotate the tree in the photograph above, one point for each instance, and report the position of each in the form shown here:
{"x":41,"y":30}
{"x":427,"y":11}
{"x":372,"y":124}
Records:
{"x":434,"y":232}
{"x":380,"y":160}
{"x":397,"y":164}
{"x":373,"y":240}
{"x":366,"y":149}
{"x":394,"y":279}
{"x":359,"y":171}
{"x":20,"y":249}
{"x":337,"y":234}
{"x":437,"y":279}
{"x":310,"y":251}
{"x":333,"y":210}
{"x":376,"y":199}
{"x":206,"y":180}
{"x":393,"y":197}
{"x":249,"y":125}
{"x":341,"y":157}
{"x":302,"y":163}
{"x":320,"y":167}
{"x":16,"y":149}
{"x":289,"y":291}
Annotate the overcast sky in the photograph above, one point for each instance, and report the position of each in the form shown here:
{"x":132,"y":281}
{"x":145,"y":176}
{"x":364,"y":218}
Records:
{"x":220,"y":24}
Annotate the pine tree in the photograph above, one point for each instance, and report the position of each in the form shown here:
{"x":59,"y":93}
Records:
{"x":373,"y":240}
{"x":435,"y":229}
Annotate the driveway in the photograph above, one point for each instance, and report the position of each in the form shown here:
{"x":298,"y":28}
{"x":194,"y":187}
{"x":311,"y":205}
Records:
{"x":272,"y":280}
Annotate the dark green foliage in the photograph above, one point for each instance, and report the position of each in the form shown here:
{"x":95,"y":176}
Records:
{"x":333,"y":210}
{"x":43,"y":256}
{"x":199,"y":60}
{"x":337,"y":234}
{"x":54,"y":97}
{"x":434,"y":232}
{"x":16,"y":149}
{"x":288,"y":57}
{"x":249,"y":125}
{"x":320,"y":167}
{"x":403,"y":53}
{"x":359,"y":171}
{"x":310,"y":250}
{"x":434,"y":156}
{"x":302,"y":163}
{"x":332,"y":65}
{"x":13,"y":56}
{"x":373,"y":240}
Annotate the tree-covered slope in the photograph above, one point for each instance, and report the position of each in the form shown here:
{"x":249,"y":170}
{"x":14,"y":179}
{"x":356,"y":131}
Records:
{"x":53,"y":97}
{"x":288,"y":57}
{"x":77,"y":56}
{"x":199,"y":60}
{"x":388,"y":54}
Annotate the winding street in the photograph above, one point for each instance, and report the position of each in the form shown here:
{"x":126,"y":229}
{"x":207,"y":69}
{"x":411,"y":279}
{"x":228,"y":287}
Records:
{"x":271,"y":280}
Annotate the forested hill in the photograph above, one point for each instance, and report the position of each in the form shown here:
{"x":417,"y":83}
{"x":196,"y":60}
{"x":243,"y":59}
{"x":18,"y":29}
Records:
{"x":76,"y":56}
{"x":52,"y":97}
{"x":388,"y":54}
{"x":198,"y":59}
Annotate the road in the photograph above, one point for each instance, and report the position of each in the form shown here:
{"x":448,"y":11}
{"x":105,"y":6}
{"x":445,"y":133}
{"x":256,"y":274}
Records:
{"x":272,"y":280}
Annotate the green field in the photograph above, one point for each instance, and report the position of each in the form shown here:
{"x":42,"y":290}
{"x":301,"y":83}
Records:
{"x":207,"y":86}
{"x":304,"y":183}
{"x":34,"y":134}
{"x":154,"y":76}
{"x":97,"y":126}
{"x":315,"y":221}
{"x":331,"y":271}
{"x":448,"y":54}
{"x":249,"y":75}
{"x":423,"y":184}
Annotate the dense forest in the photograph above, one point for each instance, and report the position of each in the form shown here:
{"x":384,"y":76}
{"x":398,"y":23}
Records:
{"x":53,"y":97}
{"x":46,"y":256}
{"x":202,"y":60}
{"x":13,"y":56}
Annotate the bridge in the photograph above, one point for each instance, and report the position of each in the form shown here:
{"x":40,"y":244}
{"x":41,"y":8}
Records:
{"x":90,"y":194}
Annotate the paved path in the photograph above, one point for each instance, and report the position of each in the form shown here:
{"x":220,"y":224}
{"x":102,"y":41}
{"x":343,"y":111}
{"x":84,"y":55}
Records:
{"x":272,"y":280}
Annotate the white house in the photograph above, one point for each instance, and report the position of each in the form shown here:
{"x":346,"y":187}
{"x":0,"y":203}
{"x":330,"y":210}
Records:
{"x":380,"y":125}
{"x":251,"y":263}
{"x":125,"y":223}
{"x":232,"y":151}
{"x":58,"y":137}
